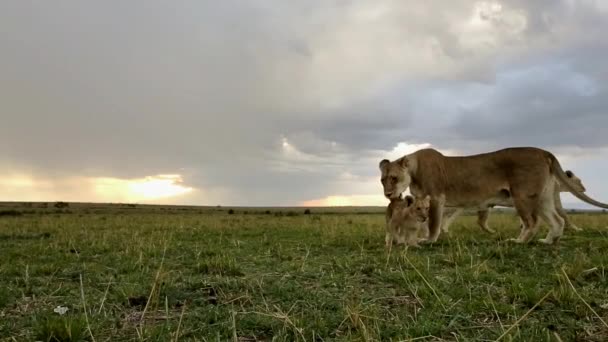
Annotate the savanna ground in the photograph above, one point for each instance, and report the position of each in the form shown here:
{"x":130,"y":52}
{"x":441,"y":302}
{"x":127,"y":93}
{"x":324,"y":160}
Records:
{"x":187,"y":274}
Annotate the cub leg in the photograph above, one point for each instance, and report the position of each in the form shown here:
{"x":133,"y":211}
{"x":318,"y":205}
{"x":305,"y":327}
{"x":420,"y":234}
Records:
{"x":411,"y":237}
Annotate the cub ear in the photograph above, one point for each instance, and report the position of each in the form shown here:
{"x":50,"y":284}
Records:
{"x":409,"y":200}
{"x":427,"y":199}
{"x":404,"y":162}
{"x":383,"y":163}
{"x":569,"y":173}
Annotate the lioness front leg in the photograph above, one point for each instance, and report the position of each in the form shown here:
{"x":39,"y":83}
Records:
{"x":435,"y":215}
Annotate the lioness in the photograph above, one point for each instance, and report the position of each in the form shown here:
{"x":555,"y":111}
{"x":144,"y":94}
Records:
{"x":526,"y":175}
{"x":405,"y":220}
{"x":483,"y":214}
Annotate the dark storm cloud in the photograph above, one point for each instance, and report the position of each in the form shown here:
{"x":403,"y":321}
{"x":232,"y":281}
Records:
{"x":278,"y":102}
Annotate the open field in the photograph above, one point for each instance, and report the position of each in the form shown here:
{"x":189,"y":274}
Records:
{"x":188,"y":274}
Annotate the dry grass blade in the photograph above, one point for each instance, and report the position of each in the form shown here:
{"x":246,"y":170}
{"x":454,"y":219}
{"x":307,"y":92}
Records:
{"x":105,"y":295}
{"x":158,"y":272}
{"x":502,"y":327}
{"x":523,"y":317}
{"x":235,"y":337}
{"x":84,"y":305}
{"x":179,"y":324}
{"x":582,"y":299}
{"x":425,"y":281}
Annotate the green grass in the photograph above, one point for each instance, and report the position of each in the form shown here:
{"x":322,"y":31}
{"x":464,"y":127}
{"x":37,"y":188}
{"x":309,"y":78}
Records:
{"x":321,"y":277}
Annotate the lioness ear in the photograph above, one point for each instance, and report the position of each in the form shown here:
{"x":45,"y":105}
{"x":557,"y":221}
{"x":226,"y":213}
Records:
{"x":409,"y":200}
{"x":403,"y":162}
{"x":383,"y":163}
{"x":569,"y":173}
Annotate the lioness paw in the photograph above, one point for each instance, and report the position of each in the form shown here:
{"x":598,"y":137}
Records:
{"x":548,"y":241}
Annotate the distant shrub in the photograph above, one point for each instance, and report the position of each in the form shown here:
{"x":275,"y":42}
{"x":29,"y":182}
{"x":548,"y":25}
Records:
{"x":267,"y":212}
{"x":61,"y":205}
{"x":307,"y":212}
{"x":278,"y":213}
{"x":231,"y":211}
{"x":291,"y":213}
{"x":10,"y":212}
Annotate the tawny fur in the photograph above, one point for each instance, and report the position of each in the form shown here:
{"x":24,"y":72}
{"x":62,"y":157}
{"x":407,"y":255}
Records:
{"x":405,"y":220}
{"x":527,"y":176}
{"x":483,"y":214}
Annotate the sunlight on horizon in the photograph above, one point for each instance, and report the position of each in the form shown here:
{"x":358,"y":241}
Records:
{"x":347,"y":201}
{"x":143,"y":189}
{"x":24,"y":187}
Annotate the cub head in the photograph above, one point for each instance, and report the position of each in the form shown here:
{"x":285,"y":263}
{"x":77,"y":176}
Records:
{"x":395,"y":177}
{"x":420,"y":208}
{"x":575,"y":181}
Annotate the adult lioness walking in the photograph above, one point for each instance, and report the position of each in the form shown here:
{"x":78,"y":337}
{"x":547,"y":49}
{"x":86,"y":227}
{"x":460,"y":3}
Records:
{"x":525,"y":175}
{"x":483,"y":214}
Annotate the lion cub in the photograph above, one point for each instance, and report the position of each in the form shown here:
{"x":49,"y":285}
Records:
{"x":405,"y":219}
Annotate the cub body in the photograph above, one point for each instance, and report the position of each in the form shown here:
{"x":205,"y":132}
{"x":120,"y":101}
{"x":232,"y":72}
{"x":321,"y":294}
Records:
{"x":406,"y":219}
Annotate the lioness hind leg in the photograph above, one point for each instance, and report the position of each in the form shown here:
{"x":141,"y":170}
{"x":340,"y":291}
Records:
{"x":568,"y":225}
{"x":556,"y":226}
{"x":482,"y":220}
{"x":550,"y":214}
{"x":529,"y":216}
{"x":449,"y":219}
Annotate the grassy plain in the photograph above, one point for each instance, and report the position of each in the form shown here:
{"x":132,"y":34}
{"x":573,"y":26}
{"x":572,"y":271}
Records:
{"x":130,"y":273}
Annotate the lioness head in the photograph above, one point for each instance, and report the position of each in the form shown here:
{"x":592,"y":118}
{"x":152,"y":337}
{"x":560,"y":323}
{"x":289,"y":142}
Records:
{"x":394,"y":177}
{"x":575,"y":181}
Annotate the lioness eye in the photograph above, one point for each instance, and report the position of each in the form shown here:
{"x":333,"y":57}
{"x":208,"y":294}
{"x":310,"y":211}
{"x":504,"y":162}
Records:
{"x":393,"y":179}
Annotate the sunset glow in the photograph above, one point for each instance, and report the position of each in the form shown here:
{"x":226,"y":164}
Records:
{"x":144,"y":189}
{"x":22,"y":187}
{"x":345,"y":201}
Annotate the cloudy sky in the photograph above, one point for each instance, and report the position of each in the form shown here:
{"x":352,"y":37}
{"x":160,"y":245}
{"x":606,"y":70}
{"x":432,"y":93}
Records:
{"x":273,"y":102}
